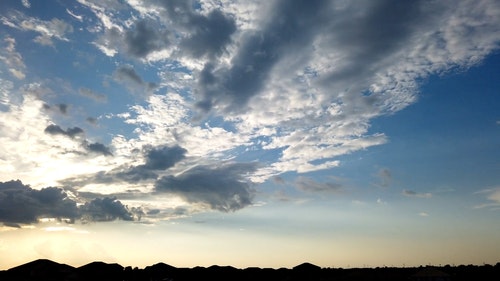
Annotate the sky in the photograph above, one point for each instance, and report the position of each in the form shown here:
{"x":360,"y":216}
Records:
{"x":261,"y":133}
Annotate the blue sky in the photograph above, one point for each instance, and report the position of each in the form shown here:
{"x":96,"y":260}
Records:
{"x":250,"y":133}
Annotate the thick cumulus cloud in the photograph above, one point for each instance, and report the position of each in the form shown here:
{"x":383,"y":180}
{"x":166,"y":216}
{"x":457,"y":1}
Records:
{"x":221,"y":188}
{"x":180,"y":29}
{"x":145,"y":38}
{"x":105,"y":209}
{"x":161,"y":158}
{"x":210,"y":34}
{"x":206,"y":34}
{"x":20,"y":204}
{"x":290,"y":27}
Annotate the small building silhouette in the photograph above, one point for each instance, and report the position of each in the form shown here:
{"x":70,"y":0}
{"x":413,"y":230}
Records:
{"x":430,"y":274}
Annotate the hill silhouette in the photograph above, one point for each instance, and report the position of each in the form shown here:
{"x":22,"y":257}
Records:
{"x":48,"y":270}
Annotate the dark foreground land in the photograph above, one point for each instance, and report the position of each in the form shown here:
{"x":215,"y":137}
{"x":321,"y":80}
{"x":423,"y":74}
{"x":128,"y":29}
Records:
{"x":50,"y":271}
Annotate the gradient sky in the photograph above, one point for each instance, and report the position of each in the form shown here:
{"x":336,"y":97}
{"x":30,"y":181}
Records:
{"x":250,"y":133}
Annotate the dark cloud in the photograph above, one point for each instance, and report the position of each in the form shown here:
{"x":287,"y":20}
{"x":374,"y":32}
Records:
{"x":385,"y":178}
{"x":95,"y":147}
{"x":411,"y":193}
{"x":70,"y":132}
{"x":222,"y":188}
{"x":210,"y":34}
{"x":145,"y":38}
{"x":134,"y":174}
{"x":156,"y":159}
{"x":20,"y":204}
{"x":374,"y":34}
{"x":59,"y":108}
{"x":105,"y":209}
{"x":278,"y":180}
{"x":92,"y":94}
{"x":62,"y":107}
{"x":98,"y":148}
{"x":291,"y":26}
{"x":206,"y":34}
{"x":161,"y":158}
{"x":310,"y":185}
{"x":127,"y":74}
{"x":91,"y":120}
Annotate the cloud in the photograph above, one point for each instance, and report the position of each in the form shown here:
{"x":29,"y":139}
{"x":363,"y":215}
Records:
{"x":323,"y":78}
{"x":13,"y":59}
{"x":26,"y":4}
{"x":210,"y":34}
{"x":105,"y":209}
{"x":98,"y":148}
{"x":205,"y":34}
{"x":144,"y":38}
{"x":493,"y":197}
{"x":161,"y":158}
{"x":309,"y":185}
{"x":385,"y":177}
{"x":411,"y":193}
{"x":92,"y":94}
{"x":231,"y":88}
{"x":179,"y":31}
{"x":278,"y":180}
{"x":91,"y":120}
{"x":221,"y":188}
{"x":129,"y":77}
{"x":48,"y":30}
{"x":70,"y":132}
{"x":157,"y":159}
{"x":20,"y":204}
{"x":61,"y":108}
{"x":78,"y":17}
{"x":94,"y":147}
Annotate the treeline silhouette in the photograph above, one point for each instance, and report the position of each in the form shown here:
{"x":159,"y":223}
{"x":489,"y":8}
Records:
{"x":48,"y":270}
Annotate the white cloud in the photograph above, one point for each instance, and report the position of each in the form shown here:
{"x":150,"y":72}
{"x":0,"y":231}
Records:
{"x":78,"y":17}
{"x":26,"y":3}
{"x":493,"y":197}
{"x":48,"y":30}
{"x":13,"y":59}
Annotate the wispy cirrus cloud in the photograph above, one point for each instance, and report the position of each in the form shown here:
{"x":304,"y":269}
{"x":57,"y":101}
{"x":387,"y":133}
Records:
{"x":12,"y":58}
{"x":493,"y":198}
{"x":48,"y":30}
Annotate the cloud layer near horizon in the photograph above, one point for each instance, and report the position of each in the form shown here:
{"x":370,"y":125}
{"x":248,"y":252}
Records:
{"x":20,"y":204}
{"x":232,"y":97}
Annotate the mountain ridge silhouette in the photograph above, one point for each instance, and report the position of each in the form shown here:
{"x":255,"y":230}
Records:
{"x":48,"y":270}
